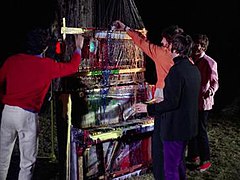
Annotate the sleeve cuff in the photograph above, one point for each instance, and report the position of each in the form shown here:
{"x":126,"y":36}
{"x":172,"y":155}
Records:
{"x":78,"y":50}
{"x":126,"y":28}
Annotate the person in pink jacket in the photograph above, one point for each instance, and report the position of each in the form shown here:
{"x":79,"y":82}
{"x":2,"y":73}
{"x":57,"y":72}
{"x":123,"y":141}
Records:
{"x":25,"y":79}
{"x":198,"y":147}
{"x":163,"y":59}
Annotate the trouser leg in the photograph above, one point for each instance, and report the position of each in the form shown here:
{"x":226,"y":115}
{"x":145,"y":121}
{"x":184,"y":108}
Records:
{"x":157,"y":144}
{"x":192,"y":150}
{"x":8,"y":136}
{"x":174,"y":164}
{"x":62,"y":129}
{"x":28,"y":145}
{"x":203,"y":145}
{"x":157,"y":152}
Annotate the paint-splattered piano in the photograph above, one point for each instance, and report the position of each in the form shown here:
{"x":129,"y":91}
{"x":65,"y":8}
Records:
{"x":107,"y":139}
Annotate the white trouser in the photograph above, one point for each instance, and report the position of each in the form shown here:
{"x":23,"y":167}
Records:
{"x":24,"y":124}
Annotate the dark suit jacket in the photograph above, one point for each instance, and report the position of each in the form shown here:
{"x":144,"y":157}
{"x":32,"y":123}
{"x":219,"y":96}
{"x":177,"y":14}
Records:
{"x":178,"y":112}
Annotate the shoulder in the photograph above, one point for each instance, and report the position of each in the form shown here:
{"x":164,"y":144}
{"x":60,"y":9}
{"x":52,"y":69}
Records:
{"x":209,"y":59}
{"x":13,"y":57}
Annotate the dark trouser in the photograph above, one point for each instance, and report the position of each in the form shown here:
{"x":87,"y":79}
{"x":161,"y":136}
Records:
{"x":62,"y":127}
{"x":174,"y":164}
{"x":157,"y":152}
{"x":199,"y":146}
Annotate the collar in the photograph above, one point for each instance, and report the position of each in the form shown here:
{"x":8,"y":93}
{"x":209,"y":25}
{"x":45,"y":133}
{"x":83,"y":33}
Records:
{"x":202,"y":54}
{"x":39,"y":55}
{"x":179,"y":59}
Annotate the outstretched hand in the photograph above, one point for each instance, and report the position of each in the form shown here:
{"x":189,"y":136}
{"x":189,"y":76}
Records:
{"x":79,"y":40}
{"x":118,"y":25}
{"x":140,"y":108}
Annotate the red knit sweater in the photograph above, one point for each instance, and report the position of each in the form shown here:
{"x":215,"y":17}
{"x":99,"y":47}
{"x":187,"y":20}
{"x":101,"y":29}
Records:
{"x":25,"y":79}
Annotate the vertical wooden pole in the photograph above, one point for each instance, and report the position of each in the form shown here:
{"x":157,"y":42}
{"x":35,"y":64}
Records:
{"x":68,"y":159}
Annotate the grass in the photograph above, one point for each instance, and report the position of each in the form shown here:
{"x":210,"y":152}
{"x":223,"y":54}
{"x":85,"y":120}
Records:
{"x":224,"y":139}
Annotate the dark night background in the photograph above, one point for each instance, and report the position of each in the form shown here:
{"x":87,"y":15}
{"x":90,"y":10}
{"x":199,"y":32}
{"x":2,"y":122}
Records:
{"x":219,"y":21}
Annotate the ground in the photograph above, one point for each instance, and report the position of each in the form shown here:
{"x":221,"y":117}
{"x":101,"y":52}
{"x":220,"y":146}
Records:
{"x":224,"y":137}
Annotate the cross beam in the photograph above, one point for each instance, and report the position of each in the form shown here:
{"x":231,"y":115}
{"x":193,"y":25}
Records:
{"x":71,"y":30}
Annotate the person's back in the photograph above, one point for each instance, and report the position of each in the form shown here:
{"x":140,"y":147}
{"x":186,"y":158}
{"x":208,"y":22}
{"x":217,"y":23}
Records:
{"x":181,"y":93}
{"x":24,"y":81}
{"x":178,"y":112}
{"x":29,"y":77}
{"x":181,"y":123}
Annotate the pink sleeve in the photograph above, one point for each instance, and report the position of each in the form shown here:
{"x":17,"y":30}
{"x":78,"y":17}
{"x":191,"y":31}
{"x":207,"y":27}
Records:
{"x":214,"y":84}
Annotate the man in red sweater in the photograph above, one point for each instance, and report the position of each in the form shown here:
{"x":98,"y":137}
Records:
{"x":24,"y":83}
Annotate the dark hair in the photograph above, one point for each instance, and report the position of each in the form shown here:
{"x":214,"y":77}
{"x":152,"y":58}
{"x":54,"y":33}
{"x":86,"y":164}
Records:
{"x":37,"y":40}
{"x":171,"y":31}
{"x":182,"y":44}
{"x":201,"y":39}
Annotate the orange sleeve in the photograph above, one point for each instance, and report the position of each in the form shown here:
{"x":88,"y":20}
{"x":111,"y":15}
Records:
{"x":155,"y":52}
